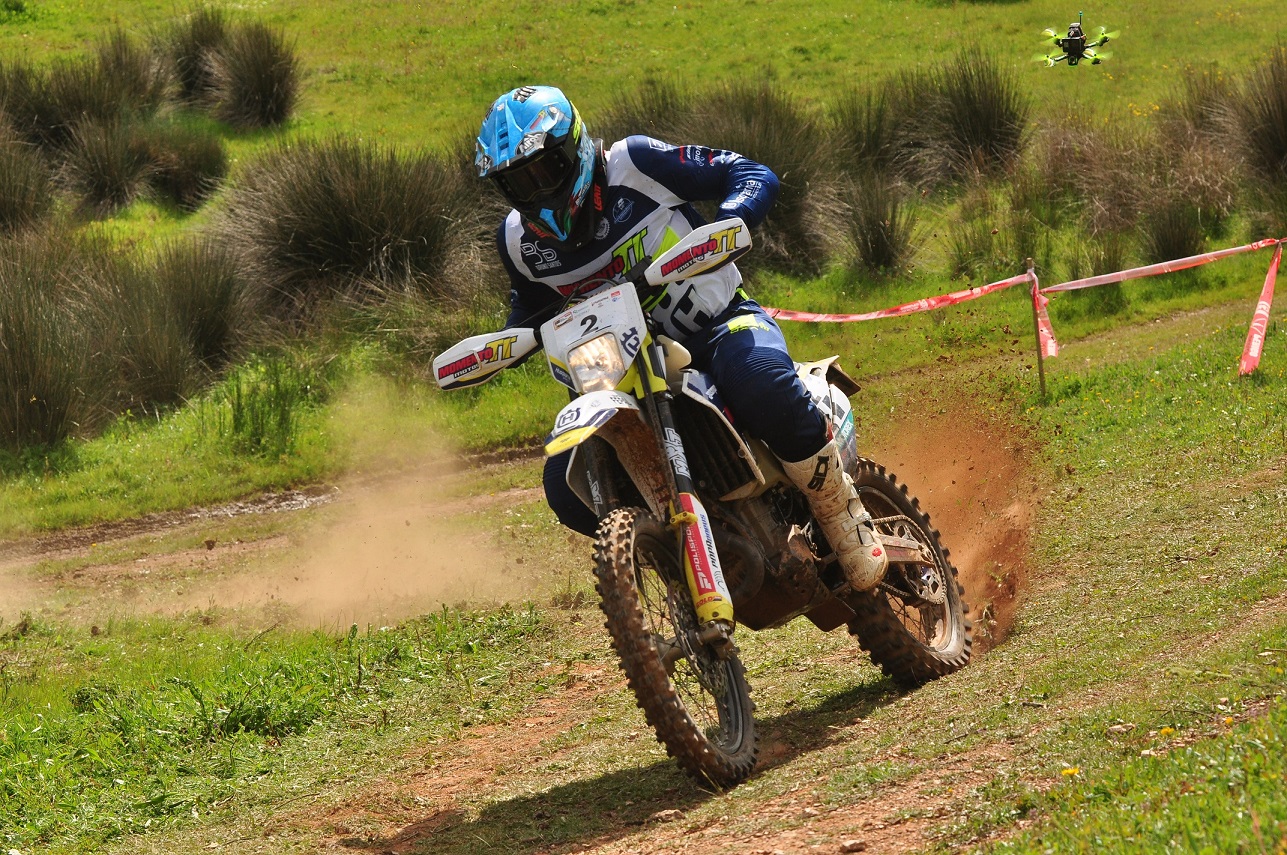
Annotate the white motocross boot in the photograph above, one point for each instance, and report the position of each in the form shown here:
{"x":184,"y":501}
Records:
{"x":839,"y":511}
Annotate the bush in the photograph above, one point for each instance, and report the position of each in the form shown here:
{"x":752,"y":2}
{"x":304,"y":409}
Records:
{"x":880,"y":224}
{"x":136,"y":322}
{"x":981,"y":114}
{"x":342,"y":216}
{"x":767,"y":124}
{"x":209,"y":296}
{"x":48,"y":386}
{"x":861,"y":127}
{"x":1170,"y":229}
{"x":1259,"y":125}
{"x":656,"y":108}
{"x":193,"y":44}
{"x":1099,"y":166}
{"x":187,"y":164}
{"x":106,"y":165}
{"x":26,"y":192}
{"x":137,"y":74}
{"x":256,"y":78}
{"x":75,"y":93}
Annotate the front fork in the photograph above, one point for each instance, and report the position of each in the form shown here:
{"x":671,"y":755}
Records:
{"x":711,"y":597}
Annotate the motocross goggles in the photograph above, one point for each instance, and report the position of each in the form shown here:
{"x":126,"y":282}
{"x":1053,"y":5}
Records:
{"x":543,"y":180}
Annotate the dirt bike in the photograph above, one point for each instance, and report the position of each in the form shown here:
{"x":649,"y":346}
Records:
{"x":698,"y":522}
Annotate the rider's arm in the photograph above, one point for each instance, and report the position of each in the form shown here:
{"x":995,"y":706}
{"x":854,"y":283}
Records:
{"x":743,"y":187}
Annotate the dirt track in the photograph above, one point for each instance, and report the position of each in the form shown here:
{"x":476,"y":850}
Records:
{"x":412,"y":553}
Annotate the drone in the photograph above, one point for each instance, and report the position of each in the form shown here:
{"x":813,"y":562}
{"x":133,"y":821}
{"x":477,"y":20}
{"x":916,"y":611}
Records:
{"x":1076,"y":46}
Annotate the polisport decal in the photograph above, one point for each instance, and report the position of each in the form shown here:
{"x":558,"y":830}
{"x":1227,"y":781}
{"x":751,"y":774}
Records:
{"x":711,"y":590}
{"x":1260,"y":320}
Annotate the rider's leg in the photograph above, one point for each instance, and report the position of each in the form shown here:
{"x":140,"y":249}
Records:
{"x":567,"y":506}
{"x":747,"y":357}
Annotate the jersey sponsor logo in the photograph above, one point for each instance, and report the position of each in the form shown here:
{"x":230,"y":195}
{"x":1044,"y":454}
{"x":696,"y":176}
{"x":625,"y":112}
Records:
{"x":542,"y":258}
{"x":627,"y":254}
{"x":601,"y":231}
{"x":622,"y":210}
{"x":722,"y":241}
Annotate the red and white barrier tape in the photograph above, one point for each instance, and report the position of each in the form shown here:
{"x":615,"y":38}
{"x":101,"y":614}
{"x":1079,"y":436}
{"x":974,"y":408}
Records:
{"x":1156,"y":269}
{"x":923,"y":305}
{"x":1260,"y":320}
{"x":1045,"y":333}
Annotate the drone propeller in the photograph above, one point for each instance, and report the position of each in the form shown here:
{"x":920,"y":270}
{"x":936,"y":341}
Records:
{"x":1048,"y":59}
{"x":1103,"y":38}
{"x":1098,"y":56}
{"x":1050,"y":37}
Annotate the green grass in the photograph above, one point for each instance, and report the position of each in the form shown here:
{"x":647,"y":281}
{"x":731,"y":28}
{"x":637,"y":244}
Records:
{"x":373,"y":68}
{"x":143,"y":724}
{"x":1158,"y":546}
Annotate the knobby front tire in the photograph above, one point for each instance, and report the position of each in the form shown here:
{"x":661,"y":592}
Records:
{"x":696,"y":700}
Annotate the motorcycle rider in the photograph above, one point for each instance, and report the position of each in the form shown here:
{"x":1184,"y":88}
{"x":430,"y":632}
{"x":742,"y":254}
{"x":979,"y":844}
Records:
{"x":582,"y":212}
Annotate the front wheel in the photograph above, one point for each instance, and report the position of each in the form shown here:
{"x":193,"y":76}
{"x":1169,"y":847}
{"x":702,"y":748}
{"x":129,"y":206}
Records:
{"x":694,"y":694}
{"x":914,"y":622}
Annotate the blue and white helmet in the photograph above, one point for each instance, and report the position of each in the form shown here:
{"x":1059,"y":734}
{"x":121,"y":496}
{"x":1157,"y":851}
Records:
{"x":535,"y":148}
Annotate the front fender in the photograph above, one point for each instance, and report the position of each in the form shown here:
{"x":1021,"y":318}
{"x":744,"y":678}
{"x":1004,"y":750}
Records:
{"x":581,"y":418}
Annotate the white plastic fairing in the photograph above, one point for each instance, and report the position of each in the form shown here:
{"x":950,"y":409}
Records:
{"x":478,"y":358}
{"x":702,"y":250}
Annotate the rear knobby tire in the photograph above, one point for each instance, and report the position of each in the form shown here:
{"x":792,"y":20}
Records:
{"x":701,"y":707}
{"x":912,"y":639}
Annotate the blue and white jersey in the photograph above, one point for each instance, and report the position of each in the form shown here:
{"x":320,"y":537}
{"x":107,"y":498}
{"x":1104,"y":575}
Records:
{"x":643,"y":208}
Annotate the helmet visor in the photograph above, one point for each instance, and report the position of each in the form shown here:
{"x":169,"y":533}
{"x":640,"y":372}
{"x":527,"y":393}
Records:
{"x":543,"y":177}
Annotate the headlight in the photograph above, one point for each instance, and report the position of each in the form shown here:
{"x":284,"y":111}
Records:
{"x":597,"y":365}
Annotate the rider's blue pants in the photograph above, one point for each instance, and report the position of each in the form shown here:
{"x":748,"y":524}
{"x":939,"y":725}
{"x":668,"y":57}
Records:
{"x":746,"y":355}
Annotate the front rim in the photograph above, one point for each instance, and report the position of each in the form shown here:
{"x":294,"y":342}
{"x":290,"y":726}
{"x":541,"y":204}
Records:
{"x":703,"y":680}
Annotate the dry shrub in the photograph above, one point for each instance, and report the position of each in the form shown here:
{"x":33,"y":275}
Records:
{"x":880,"y":224}
{"x":256,"y":78}
{"x":187,"y":164}
{"x":210,"y":297}
{"x":25,"y":185}
{"x":106,"y":165}
{"x":50,"y":385}
{"x":193,"y":44}
{"x":656,"y":108}
{"x":137,"y":73}
{"x":767,"y":124}
{"x":339,"y":216}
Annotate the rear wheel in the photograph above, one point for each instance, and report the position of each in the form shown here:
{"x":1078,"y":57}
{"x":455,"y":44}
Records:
{"x":914,"y":622}
{"x":694,"y":694}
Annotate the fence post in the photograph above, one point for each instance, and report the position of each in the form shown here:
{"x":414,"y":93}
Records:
{"x":1036,"y":327}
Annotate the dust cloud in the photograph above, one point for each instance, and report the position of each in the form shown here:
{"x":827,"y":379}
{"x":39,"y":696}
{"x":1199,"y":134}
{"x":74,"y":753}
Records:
{"x":971,"y":478}
{"x":388,"y":552}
